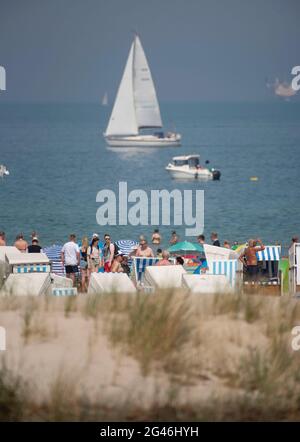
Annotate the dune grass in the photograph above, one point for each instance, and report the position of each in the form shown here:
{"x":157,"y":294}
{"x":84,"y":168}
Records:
{"x":223,"y":357}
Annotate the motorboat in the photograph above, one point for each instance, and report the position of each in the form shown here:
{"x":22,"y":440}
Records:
{"x":189,"y":167}
{"x":136,"y":108}
{"x":3,"y":171}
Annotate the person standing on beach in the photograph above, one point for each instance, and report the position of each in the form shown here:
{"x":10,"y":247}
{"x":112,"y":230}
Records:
{"x":144,"y":250}
{"x":108,"y":253}
{"x":70,"y":257}
{"x":156,"y":238}
{"x":84,"y":263}
{"x":249,"y":258}
{"x":94,"y":256}
{"x":2,"y":239}
{"x":34,"y":234}
{"x":174,"y":238}
{"x":215,"y":239}
{"x":20,"y":243}
{"x":165,"y":259}
{"x":201,"y":239}
{"x":34,"y":247}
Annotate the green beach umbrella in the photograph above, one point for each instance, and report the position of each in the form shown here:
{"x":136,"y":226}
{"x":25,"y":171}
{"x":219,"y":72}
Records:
{"x":185,"y":247}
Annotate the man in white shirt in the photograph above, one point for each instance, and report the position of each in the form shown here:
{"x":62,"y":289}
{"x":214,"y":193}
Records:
{"x":70,"y":257}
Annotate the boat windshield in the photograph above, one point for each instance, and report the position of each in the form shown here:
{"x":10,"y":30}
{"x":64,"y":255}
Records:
{"x":180,"y":162}
{"x":194,"y":162}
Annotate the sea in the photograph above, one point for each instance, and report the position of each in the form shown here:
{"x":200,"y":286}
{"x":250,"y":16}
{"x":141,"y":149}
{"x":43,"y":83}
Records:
{"x":58,"y":162}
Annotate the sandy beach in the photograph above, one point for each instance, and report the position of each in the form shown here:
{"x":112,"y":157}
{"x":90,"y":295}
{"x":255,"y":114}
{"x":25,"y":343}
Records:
{"x":135,"y":357}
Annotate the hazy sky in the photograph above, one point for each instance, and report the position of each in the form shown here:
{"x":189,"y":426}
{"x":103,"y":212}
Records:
{"x":74,"y":50}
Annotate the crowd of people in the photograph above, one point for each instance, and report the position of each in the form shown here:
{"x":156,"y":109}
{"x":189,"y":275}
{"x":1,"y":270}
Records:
{"x":94,"y":256}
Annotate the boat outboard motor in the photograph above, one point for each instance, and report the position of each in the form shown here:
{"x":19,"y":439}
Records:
{"x":216,"y":174}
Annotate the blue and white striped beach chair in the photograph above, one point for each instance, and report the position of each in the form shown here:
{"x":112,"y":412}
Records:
{"x":271,"y":253}
{"x":31,"y":268}
{"x":228,"y":267}
{"x":140,"y":264}
{"x":64,"y":291}
{"x":54,"y":254}
{"x":269,"y":259}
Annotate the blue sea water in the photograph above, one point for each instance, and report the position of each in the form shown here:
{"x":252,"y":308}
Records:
{"x":58,"y":161}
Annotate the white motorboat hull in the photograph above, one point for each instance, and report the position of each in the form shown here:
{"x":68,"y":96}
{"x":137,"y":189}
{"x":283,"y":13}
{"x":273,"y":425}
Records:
{"x":143,"y":141}
{"x":190,"y":173}
{"x":3,"y":171}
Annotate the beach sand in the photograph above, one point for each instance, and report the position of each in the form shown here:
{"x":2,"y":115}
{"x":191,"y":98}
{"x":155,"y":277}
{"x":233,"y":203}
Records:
{"x":164,"y":356}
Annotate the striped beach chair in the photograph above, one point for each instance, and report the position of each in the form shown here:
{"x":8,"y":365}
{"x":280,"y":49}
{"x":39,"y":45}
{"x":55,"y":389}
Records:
{"x":269,"y":263}
{"x":31,"y":268}
{"x":139,"y":266}
{"x":64,"y":291}
{"x":271,"y":253}
{"x":54,"y":254}
{"x":229,"y":268}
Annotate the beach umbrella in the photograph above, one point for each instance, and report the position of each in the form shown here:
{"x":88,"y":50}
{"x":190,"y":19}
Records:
{"x":240,"y":248}
{"x":186,"y":247}
{"x":126,"y":246}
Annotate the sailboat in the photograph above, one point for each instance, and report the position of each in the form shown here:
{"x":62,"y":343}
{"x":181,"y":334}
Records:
{"x":105,"y":99}
{"x":136,"y":107}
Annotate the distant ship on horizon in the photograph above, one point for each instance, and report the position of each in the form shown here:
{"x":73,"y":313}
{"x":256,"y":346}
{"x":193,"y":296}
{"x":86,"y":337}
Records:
{"x":281,"y":89}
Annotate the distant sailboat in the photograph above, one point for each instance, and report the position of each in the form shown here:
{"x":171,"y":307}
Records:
{"x":105,"y":99}
{"x":136,"y":106}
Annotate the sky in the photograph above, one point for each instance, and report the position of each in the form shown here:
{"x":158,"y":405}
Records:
{"x":198,"y":50}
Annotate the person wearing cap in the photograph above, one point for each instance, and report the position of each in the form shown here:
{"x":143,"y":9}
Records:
{"x":116,"y":266}
{"x":34,"y":247}
{"x":34,"y":234}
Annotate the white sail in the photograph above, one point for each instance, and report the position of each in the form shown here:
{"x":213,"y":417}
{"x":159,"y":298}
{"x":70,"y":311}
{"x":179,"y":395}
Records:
{"x":123,"y":118}
{"x":145,"y":99}
{"x":136,"y":104}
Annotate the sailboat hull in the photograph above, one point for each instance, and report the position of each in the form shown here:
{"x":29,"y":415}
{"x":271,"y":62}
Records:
{"x":143,"y":141}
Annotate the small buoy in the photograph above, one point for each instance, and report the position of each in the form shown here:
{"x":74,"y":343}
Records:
{"x":253,"y":178}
